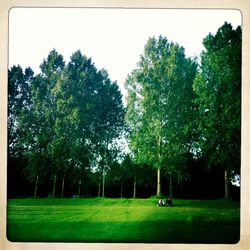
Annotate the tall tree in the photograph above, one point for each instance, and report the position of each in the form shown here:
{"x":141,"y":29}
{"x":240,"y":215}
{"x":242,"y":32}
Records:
{"x":218,"y":87}
{"x":19,"y":98}
{"x":39,"y":119}
{"x":90,"y":112}
{"x":159,"y":102}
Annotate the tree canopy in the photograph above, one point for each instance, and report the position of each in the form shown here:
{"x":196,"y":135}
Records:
{"x":218,"y":89}
{"x":160,"y":106}
{"x":72,"y":112}
{"x":181,"y":122}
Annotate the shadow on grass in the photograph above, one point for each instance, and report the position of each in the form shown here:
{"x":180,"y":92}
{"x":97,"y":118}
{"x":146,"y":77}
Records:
{"x":136,"y":232}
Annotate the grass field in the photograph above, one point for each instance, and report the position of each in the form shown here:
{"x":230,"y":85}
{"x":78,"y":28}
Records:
{"x":122,"y":220}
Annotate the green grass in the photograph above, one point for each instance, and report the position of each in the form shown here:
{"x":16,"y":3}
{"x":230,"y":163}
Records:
{"x":122,"y":220}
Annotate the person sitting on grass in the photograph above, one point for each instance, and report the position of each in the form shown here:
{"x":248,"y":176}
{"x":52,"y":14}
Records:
{"x":169,"y":202}
{"x":161,"y":202}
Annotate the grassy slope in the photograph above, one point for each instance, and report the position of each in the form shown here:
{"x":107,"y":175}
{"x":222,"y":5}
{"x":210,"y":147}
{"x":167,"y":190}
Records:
{"x":122,"y":220}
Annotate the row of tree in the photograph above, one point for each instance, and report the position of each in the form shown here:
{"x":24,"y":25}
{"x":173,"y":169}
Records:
{"x":67,"y":126}
{"x":65,"y":119}
{"x":176,"y":109}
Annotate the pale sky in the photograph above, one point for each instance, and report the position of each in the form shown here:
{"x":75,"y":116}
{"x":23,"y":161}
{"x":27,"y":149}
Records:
{"x":113,"y":38}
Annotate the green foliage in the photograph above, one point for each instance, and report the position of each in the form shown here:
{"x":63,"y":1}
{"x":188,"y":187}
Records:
{"x":38,"y":119}
{"x":67,"y":115}
{"x":218,"y":89}
{"x":19,"y":98}
{"x":160,"y":104}
{"x":66,"y":124}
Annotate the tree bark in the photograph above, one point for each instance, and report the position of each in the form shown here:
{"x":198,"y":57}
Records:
{"x":158,"y":182}
{"x":170,"y":185}
{"x":103,"y":182}
{"x":79,"y":188}
{"x":159,"y":142}
{"x":62,"y":191}
{"x":54,"y":187}
{"x":180,"y":183}
{"x":226,"y":185}
{"x":135,"y":182}
{"x":35,"y":193}
{"x":99,"y":186}
{"x":122,"y":189}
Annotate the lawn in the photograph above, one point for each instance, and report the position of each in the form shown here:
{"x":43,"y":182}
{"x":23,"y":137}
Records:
{"x":122,"y":220}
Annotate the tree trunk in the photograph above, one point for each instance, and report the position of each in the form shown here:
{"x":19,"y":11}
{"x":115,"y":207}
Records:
{"x":62,"y":191}
{"x":103,"y":183}
{"x":99,"y":186}
{"x":36,"y":186}
{"x":121,"y":188}
{"x":226,"y":185}
{"x":54,"y":187}
{"x":79,"y":188}
{"x":135,"y":181}
{"x":159,"y":143}
{"x":158,"y":182}
{"x":180,"y":183}
{"x":170,"y":185}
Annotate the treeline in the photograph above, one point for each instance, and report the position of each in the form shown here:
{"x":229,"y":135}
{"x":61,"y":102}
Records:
{"x":68,"y":127}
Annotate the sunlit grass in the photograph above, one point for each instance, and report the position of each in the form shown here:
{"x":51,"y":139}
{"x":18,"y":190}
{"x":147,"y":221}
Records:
{"x":122,"y":220}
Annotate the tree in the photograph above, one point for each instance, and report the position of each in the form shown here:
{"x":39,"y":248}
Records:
{"x":38,"y":121}
{"x":159,"y":104}
{"x":89,"y":113}
{"x":121,"y":172}
{"x":19,"y":98}
{"x":218,"y":89}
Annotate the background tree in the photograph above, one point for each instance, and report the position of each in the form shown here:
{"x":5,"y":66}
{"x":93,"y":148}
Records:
{"x":19,"y":95}
{"x":121,"y":173}
{"x":39,"y":119}
{"x":66,"y":125}
{"x":19,"y":98}
{"x":90,"y":113}
{"x":159,"y":104}
{"x":218,"y":87}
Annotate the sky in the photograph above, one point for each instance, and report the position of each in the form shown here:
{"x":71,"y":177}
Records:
{"x":113,"y":38}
